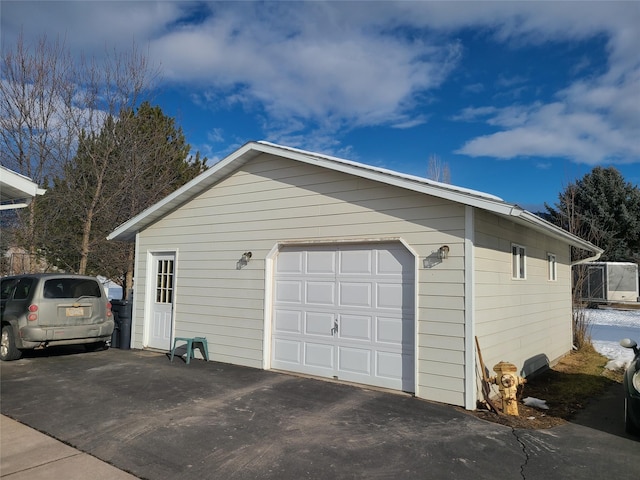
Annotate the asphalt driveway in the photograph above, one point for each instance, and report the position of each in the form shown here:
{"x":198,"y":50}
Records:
{"x":160,"y":420}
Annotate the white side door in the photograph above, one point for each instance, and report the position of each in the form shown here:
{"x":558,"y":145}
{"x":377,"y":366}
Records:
{"x":160,"y":327}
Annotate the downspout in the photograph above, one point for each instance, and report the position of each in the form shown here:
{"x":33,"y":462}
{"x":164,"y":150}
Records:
{"x":588,"y":259}
{"x":470,"y":387}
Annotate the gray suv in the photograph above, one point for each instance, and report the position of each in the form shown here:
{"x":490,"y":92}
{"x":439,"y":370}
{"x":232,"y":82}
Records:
{"x":42,"y":310}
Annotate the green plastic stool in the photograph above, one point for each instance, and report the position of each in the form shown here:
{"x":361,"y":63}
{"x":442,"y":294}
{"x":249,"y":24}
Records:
{"x":195,"y":342}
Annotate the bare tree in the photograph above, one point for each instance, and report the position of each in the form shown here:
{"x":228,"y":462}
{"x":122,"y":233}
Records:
{"x":437,"y":170}
{"x":34,"y":141}
{"x":48,"y":103}
{"x":568,"y":216}
{"x":110,"y":91}
{"x":32,"y":89}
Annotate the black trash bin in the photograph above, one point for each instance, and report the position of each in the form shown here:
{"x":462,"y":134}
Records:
{"x":115,"y":336}
{"x":122,"y":310}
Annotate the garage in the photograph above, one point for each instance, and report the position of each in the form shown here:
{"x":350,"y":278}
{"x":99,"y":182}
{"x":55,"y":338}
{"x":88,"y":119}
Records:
{"x":297,"y":261}
{"x":346,"y":312}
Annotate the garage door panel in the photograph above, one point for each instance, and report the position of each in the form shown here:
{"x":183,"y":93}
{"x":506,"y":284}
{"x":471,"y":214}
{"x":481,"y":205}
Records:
{"x":289,"y":291}
{"x":354,"y":360}
{"x":355,"y":262}
{"x":355,"y":294}
{"x":321,"y":293}
{"x":290,"y":262}
{"x":393,"y":262}
{"x":355,"y":327}
{"x":319,"y":323}
{"x":321,"y":263}
{"x":389,"y":330}
{"x":319,"y":355}
{"x":287,"y":321}
{"x":388,"y":368}
{"x":394,"y":296}
{"x":288,"y":351}
{"x":389,"y":365}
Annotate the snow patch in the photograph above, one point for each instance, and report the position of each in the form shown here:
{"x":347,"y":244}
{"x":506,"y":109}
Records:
{"x":535,"y":402}
{"x":608,"y":327}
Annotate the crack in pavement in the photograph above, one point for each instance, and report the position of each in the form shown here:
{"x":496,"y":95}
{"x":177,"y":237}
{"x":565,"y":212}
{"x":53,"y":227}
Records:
{"x":524,"y":450}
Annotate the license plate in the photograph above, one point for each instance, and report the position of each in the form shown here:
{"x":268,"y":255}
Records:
{"x":75,"y":312}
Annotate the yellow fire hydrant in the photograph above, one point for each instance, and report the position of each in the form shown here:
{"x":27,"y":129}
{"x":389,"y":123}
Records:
{"x":507,"y":380}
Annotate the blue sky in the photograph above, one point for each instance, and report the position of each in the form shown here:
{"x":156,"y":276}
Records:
{"x":518,"y":98}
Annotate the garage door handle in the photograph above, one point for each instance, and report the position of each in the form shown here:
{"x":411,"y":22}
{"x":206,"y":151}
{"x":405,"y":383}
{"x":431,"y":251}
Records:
{"x":334,"y":330}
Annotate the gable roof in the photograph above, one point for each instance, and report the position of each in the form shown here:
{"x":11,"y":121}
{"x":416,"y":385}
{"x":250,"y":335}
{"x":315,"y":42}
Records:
{"x":251,"y":150}
{"x":16,"y":190}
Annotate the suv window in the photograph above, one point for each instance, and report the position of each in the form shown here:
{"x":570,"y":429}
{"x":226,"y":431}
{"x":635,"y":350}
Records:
{"x":71,"y":288}
{"x":6,"y":288}
{"x":23,"y":288}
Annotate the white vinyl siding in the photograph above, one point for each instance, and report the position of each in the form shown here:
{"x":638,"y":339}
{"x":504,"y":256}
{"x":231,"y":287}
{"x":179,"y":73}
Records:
{"x":526,"y":323}
{"x":272,"y":200}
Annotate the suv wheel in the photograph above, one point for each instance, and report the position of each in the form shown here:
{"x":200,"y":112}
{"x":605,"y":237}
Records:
{"x":8,"y":350}
{"x":629,"y":426}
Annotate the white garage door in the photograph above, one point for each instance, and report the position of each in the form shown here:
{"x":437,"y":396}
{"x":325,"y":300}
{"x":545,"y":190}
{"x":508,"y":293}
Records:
{"x":346,"y":312}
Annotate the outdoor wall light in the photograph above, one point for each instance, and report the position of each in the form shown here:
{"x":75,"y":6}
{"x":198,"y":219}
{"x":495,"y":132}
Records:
{"x":244,"y":260}
{"x":443,"y":252}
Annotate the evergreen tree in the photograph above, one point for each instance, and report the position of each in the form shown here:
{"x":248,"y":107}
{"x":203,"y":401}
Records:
{"x":604,"y":209}
{"x":48,"y":99}
{"x":133,"y":162}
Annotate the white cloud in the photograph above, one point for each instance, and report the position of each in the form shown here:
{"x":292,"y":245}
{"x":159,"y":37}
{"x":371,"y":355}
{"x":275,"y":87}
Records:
{"x":474,"y":88}
{"x":329,"y":67}
{"x":91,"y":27}
{"x":292,"y":66}
{"x":544,"y":165}
{"x":581,"y":137}
{"x":216,"y":135}
{"x":592,"y":122}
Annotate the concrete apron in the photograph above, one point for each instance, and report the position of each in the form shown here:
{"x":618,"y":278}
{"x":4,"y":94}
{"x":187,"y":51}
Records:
{"x":30,"y":455}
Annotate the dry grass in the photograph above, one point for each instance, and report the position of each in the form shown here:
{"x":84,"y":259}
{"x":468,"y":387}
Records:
{"x":566,"y":387}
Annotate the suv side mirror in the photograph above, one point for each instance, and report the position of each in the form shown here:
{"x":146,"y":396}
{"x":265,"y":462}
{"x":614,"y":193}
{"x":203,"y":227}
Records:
{"x":628,"y":343}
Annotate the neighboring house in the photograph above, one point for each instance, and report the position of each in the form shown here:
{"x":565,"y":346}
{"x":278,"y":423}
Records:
{"x":603,"y":282}
{"x":16,"y":191}
{"x":291,"y":260}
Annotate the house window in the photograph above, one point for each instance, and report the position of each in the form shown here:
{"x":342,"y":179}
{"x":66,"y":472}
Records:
{"x":552,"y":266}
{"x":518,"y":262}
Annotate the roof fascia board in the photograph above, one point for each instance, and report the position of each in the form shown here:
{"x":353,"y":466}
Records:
{"x":14,"y":206}
{"x":18,"y":186}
